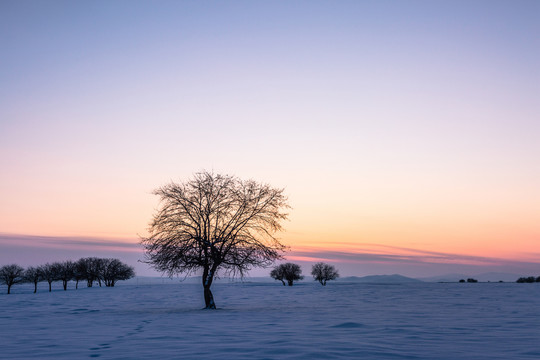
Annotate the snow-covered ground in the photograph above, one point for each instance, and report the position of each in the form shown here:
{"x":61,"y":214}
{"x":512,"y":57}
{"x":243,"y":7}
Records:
{"x":270,"y":321}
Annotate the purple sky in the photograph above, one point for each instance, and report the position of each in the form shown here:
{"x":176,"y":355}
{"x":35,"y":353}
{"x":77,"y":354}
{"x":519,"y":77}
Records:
{"x":410,"y":125}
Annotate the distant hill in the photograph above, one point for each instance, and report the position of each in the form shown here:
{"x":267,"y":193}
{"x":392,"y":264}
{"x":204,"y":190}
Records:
{"x":446,"y":278}
{"x":381,"y":279}
{"x":485,"y":277}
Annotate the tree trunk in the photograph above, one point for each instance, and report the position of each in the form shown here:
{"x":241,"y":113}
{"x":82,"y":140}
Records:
{"x":283,"y":282}
{"x":208,"y":277}
{"x":35,"y":287}
{"x":209,"y":298}
{"x":290,"y":282}
{"x":8,"y":288}
{"x":64,"y":282}
{"x":50,"y":286}
{"x":77,"y":284}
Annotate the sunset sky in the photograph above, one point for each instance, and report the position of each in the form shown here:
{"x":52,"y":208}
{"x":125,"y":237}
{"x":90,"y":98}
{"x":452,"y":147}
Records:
{"x":406,"y":133}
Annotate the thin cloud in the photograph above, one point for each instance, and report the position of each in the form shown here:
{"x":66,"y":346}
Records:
{"x":400,"y":255}
{"x":67,"y":242}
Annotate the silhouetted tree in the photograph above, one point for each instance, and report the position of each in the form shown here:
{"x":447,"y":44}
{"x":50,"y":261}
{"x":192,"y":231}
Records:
{"x":98,"y":268}
{"x":49,"y":272}
{"x":215,"y":223}
{"x":11,"y":275}
{"x":288,"y":271}
{"x":471,"y":280}
{"x":64,"y":271}
{"x":529,"y":279}
{"x":33,"y":275}
{"x":114,"y":270}
{"x":278,"y":274}
{"x":79,"y":272}
{"x":462,"y":280}
{"x":89,"y":268}
{"x":323,"y":272}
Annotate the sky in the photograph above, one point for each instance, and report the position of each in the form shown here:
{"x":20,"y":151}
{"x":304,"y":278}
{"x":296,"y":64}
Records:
{"x":405,"y":133}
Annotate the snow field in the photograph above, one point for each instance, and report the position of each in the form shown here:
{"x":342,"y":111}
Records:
{"x":270,"y":321}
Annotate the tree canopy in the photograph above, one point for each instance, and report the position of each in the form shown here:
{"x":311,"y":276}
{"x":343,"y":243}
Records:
{"x":215,"y":223}
{"x":288,"y":271}
{"x":324,"y":272}
{"x":11,"y":275}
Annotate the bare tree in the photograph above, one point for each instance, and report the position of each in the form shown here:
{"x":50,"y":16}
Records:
{"x":215,"y":223}
{"x":11,"y":275}
{"x":323,"y":272}
{"x":278,"y":274}
{"x":98,"y":267}
{"x":89,"y":269}
{"x":33,"y":275}
{"x":64,"y":271}
{"x":79,"y":272}
{"x":288,"y":271}
{"x":49,"y":272}
{"x":114,"y":270}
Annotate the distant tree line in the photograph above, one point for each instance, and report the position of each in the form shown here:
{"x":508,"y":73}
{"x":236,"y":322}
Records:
{"x":530,"y":279}
{"x":93,"y":270}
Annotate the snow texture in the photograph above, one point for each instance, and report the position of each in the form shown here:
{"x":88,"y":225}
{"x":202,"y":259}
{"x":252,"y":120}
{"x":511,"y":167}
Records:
{"x":271,"y":321}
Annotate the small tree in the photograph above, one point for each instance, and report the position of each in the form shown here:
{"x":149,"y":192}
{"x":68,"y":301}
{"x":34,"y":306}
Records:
{"x":323,"y":272}
{"x":278,"y":274}
{"x":114,"y":270}
{"x":11,"y":275}
{"x":89,"y":269}
{"x":65,"y":271}
{"x":79,"y":272}
{"x":288,"y":271}
{"x":49,"y":272}
{"x":33,"y":275}
{"x":215,"y":223}
{"x":98,"y":268}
